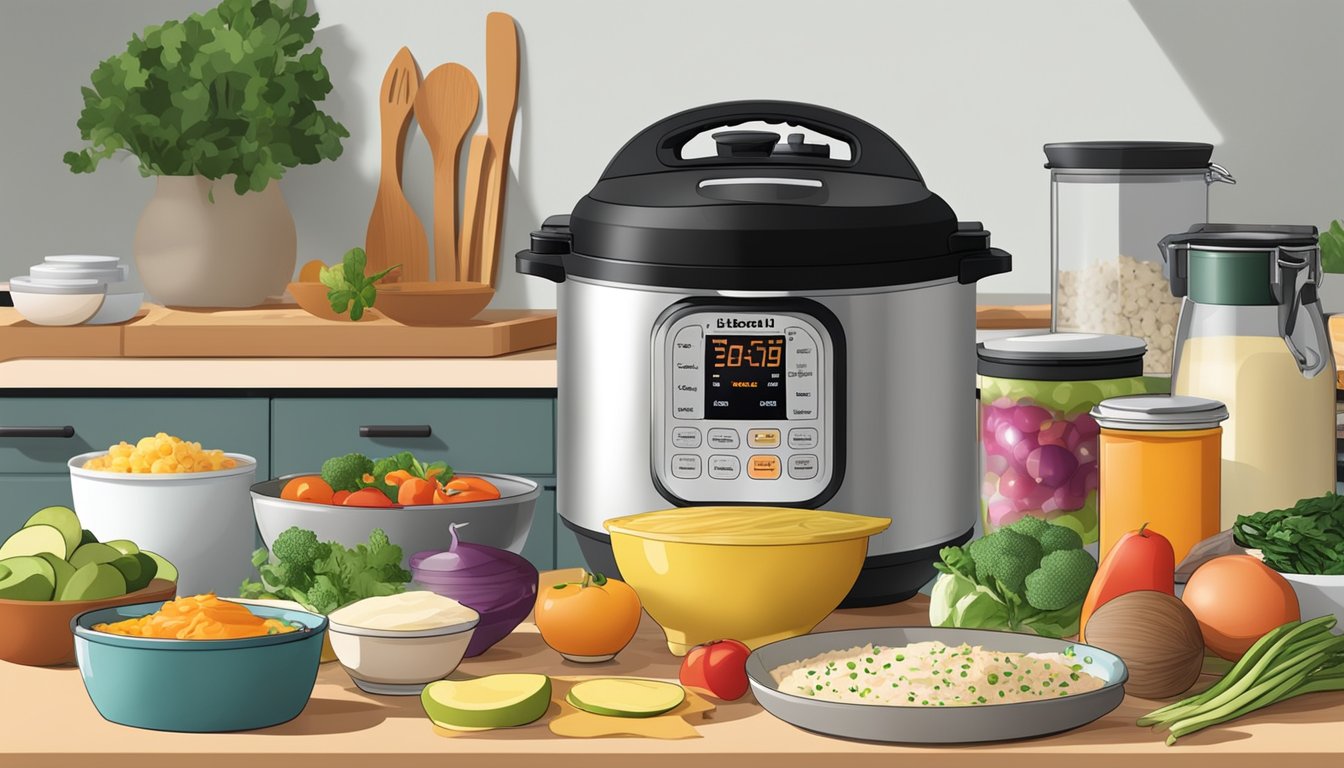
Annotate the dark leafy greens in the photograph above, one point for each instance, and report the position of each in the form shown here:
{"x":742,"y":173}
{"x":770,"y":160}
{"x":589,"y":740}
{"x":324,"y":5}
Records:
{"x":1306,"y":539}
{"x":228,"y":91}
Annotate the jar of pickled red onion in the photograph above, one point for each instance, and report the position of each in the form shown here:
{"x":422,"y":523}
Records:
{"x":1038,"y":439}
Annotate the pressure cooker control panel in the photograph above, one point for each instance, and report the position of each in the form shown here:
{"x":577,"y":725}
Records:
{"x":745,"y":402}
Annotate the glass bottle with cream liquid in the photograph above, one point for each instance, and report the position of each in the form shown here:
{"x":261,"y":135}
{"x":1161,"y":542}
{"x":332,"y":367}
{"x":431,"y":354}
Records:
{"x":1253,"y":336}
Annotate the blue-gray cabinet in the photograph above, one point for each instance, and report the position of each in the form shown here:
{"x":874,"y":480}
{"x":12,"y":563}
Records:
{"x":510,"y":435}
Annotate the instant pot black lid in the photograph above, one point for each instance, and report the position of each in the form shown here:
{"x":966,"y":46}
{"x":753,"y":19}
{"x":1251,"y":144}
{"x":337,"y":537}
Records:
{"x":1267,"y":236}
{"x":764,"y":213}
{"x":1128,"y":155}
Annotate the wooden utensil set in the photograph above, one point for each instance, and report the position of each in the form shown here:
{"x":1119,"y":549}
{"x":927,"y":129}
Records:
{"x":445,"y":104}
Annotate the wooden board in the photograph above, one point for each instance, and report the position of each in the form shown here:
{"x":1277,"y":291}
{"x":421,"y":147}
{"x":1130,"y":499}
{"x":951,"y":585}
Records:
{"x":21,"y":339}
{"x":994,"y":318}
{"x":293,"y":332}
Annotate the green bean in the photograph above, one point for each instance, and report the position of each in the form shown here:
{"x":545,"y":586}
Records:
{"x":1231,"y":712}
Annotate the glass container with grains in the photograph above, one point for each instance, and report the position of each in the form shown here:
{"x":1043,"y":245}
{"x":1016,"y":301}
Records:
{"x":1110,"y":203}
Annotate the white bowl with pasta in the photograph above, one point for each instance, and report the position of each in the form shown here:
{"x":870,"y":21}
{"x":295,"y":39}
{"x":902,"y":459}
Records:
{"x":200,"y":521}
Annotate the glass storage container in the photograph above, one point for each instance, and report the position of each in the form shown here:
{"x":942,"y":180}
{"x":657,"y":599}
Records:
{"x":1161,"y":463}
{"x":1252,"y":335}
{"x":1110,"y":204}
{"x":1038,"y":440}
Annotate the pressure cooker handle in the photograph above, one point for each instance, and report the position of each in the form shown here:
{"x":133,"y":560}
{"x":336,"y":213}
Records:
{"x":549,"y":245}
{"x":658,"y":147}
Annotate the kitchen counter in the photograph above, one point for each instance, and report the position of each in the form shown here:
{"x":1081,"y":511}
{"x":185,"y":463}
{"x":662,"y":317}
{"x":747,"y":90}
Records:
{"x":49,"y":721}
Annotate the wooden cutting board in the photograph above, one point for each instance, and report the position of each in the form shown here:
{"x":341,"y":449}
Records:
{"x":274,"y":331}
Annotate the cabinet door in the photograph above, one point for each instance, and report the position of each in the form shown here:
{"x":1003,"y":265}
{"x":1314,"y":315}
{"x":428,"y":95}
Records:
{"x":506,"y":435}
{"x":25,"y":494}
{"x":236,"y":425}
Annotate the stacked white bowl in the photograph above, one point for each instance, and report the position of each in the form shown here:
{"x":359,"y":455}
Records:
{"x":74,"y":289}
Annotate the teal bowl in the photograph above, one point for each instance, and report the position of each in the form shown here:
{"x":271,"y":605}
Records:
{"x":198,"y":686}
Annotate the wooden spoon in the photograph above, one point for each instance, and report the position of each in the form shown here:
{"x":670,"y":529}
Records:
{"x":395,"y":234}
{"x":445,"y":108}
{"x":501,"y":90}
{"x":473,"y":213}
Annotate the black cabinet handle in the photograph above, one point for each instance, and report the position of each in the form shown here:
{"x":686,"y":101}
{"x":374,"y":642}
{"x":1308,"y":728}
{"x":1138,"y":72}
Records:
{"x":66,"y":431}
{"x":395,"y":430}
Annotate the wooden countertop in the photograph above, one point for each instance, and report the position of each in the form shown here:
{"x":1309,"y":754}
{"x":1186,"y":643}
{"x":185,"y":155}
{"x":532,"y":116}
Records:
{"x":48,"y":721}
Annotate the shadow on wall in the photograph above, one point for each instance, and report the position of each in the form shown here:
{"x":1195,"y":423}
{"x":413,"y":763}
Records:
{"x":1244,"y":61}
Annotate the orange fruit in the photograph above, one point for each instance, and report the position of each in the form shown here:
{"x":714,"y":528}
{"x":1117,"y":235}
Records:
{"x":310,"y":488}
{"x":594,"y":617}
{"x":308,"y":273}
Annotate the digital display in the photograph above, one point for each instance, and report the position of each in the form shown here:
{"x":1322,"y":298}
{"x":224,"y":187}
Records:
{"x":745,"y":377}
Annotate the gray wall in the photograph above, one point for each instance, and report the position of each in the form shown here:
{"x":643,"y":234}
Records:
{"x":970,"y":88}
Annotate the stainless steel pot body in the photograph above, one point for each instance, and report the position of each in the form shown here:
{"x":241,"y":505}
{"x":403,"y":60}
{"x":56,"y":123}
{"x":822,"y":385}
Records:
{"x":909,"y":433}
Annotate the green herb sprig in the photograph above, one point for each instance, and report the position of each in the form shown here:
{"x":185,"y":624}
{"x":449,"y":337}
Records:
{"x":1307,"y":538}
{"x":348,"y":288}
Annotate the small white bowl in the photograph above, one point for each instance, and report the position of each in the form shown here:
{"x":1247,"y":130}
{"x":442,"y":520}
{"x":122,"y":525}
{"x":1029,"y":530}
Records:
{"x":83,"y":260}
{"x":59,"y":271}
{"x":57,"y":302}
{"x":391,"y":663}
{"x":121,"y":304}
{"x":1319,"y":596}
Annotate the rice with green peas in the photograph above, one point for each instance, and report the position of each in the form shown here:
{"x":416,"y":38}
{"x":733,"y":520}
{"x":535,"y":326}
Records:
{"x":934,"y":675}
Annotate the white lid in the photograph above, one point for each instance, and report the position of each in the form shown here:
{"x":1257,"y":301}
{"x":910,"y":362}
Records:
{"x":82,"y":286}
{"x":1159,"y":412}
{"x":84,"y":260}
{"x":1064,"y":346}
{"x":62,"y":271}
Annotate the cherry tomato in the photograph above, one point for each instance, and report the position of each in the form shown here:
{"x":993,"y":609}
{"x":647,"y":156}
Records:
{"x":339,"y":497}
{"x":718,"y":668}
{"x":414,"y":490}
{"x":310,"y":488}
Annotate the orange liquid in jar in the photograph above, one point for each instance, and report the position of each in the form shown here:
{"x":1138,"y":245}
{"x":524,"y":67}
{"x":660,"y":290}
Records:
{"x":1169,"y":480}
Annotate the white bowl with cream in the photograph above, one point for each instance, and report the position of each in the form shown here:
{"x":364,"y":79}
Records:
{"x":398,"y":644}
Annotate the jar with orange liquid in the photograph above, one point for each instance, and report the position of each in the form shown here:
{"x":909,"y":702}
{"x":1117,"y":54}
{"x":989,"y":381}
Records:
{"x":1161,"y":464}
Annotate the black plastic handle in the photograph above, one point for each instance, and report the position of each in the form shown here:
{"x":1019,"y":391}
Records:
{"x":66,"y":431}
{"x":396,"y":430}
{"x":658,"y":147}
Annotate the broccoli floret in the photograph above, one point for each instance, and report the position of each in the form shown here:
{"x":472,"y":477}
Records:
{"x":1030,"y":526}
{"x":378,"y":539}
{"x":1062,"y":580}
{"x":1056,"y":538}
{"x":343,"y":473}
{"x":1007,"y":556}
{"x":322,"y":599}
{"x":297,"y":549}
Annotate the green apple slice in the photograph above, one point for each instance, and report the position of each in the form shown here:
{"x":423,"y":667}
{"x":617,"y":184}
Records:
{"x":626,"y":697}
{"x":167,"y":571}
{"x":61,"y":568}
{"x":34,"y":540}
{"x":93,"y":553}
{"x":62,"y":519}
{"x":94,"y":581}
{"x":493,"y":701}
{"x":124,"y":546}
{"x":28,"y":577}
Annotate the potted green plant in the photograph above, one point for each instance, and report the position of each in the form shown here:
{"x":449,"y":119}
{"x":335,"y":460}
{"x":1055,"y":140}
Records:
{"x":217,"y":107}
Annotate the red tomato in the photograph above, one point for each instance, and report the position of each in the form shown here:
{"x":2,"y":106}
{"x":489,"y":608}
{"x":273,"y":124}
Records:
{"x":339,"y":497}
{"x":415,"y":491}
{"x":367,"y":497}
{"x":718,"y":668}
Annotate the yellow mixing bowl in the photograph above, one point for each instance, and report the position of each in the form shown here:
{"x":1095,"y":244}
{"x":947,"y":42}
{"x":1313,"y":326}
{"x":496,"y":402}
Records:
{"x":754,"y":574}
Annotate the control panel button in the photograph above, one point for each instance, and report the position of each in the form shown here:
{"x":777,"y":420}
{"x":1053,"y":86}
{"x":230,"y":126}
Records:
{"x":763,"y":466}
{"x":686,"y":437}
{"x":800,"y":376}
{"x":763,"y":438}
{"x":722,"y":438}
{"x":688,"y":375}
{"x":724,"y":467}
{"x":803,"y":467}
{"x":686,"y":466}
{"x":802,"y":438}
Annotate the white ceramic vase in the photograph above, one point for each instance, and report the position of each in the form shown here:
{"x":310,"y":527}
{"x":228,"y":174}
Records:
{"x":200,"y":244}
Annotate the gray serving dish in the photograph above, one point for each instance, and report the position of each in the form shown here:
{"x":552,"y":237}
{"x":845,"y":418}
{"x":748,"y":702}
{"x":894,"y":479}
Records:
{"x":504,"y":522}
{"x":935,"y":725}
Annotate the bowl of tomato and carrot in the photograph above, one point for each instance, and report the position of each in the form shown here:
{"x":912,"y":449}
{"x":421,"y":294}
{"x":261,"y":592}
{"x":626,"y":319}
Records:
{"x":415,"y":507}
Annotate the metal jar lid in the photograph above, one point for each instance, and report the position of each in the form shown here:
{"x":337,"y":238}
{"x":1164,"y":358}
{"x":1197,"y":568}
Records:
{"x":1159,"y":413}
{"x":1062,"y":357}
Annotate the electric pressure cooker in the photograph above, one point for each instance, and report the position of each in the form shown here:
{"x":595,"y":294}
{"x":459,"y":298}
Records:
{"x":768,"y":325}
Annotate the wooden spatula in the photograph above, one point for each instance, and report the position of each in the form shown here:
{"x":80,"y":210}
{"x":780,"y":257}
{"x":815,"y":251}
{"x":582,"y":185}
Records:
{"x":473,"y":209}
{"x":445,"y":108}
{"x":395,"y":234}
{"x":501,"y":103}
